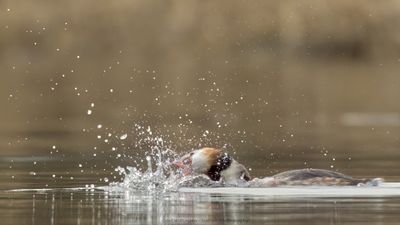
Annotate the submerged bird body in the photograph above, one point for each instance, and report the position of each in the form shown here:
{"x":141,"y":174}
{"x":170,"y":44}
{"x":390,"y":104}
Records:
{"x":318,"y":177}
{"x":219,"y":166}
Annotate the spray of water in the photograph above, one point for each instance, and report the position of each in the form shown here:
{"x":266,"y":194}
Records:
{"x":158,"y":174}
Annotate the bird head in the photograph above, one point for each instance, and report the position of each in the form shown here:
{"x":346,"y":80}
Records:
{"x":214,"y":163}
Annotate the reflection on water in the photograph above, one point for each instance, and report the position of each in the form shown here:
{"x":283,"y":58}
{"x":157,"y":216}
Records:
{"x":100,"y":207}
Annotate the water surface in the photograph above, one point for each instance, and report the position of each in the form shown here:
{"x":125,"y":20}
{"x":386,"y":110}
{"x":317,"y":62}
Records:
{"x":61,"y":206}
{"x":86,"y":199}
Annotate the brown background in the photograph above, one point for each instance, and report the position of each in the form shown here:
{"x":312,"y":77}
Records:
{"x":282,"y":84}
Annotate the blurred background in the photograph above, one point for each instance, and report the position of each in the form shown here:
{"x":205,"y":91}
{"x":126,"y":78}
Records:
{"x":280,"y":84}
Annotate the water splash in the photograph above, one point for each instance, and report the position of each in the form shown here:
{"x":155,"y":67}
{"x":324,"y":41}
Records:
{"x":160,"y":179}
{"x":158,"y":175}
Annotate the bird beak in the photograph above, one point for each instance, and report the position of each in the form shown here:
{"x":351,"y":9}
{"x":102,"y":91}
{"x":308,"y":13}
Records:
{"x":184,"y":169}
{"x":178,"y":164}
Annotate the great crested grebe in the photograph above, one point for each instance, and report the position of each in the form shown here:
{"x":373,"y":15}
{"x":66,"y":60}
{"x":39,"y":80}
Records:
{"x":220,"y":166}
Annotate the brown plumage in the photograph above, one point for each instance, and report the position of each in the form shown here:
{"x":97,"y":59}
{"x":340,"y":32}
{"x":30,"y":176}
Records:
{"x":212,"y":154}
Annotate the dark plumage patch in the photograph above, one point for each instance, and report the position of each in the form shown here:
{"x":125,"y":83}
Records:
{"x":222,"y":163}
{"x":245,"y":176}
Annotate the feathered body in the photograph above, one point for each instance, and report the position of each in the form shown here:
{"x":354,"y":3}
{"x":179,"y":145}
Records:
{"x":220,"y":166}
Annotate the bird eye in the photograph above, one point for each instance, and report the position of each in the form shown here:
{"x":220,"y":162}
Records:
{"x":187,"y":161}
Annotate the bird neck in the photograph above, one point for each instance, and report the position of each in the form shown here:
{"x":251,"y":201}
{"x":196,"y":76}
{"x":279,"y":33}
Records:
{"x":222,"y":163}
